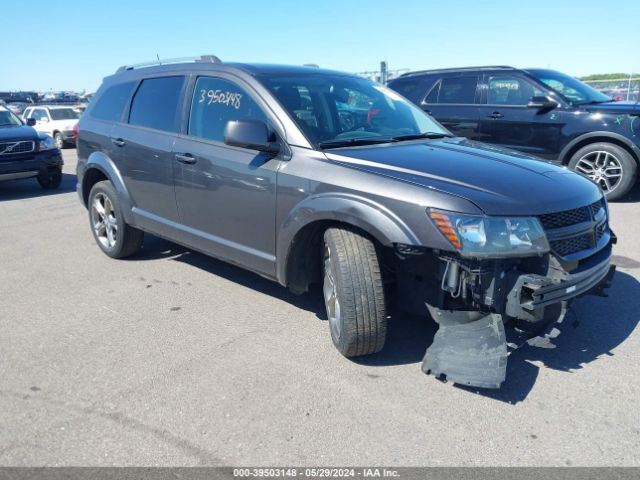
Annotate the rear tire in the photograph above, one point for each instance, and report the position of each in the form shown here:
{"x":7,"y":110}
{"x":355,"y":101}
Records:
{"x":112,"y":234}
{"x":59,"y":140}
{"x":353,"y":292}
{"x":50,"y":179}
{"x":610,"y":166}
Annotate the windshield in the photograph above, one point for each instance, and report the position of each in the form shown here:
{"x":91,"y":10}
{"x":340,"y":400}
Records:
{"x":335,"y":109}
{"x":63,"y":114}
{"x":8,"y":118}
{"x":570,"y":88}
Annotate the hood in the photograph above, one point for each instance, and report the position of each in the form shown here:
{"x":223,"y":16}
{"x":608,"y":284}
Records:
{"x":22,"y":132}
{"x":498,"y":181}
{"x":614,"y":107}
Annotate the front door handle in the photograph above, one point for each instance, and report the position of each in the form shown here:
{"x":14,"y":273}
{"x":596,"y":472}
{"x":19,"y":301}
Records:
{"x":185,"y":158}
{"x":495,"y":115}
{"x":118,"y":142}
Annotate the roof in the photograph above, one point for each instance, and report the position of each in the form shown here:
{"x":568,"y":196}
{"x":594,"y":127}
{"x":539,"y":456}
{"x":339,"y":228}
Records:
{"x":459,"y":69}
{"x":275,"y":69}
{"x":211,"y":62}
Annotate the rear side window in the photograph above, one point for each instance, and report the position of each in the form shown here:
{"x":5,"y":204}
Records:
{"x":155,"y":104}
{"x":456,"y":90}
{"x":217,"y":101}
{"x":112,"y":102}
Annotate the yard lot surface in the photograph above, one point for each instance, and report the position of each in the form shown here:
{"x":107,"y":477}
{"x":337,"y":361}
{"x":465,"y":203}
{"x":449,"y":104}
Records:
{"x":173,"y":358}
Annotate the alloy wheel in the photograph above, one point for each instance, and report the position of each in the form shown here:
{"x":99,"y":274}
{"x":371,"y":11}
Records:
{"x":103,"y":220}
{"x":330,"y":294}
{"x":602,"y":167}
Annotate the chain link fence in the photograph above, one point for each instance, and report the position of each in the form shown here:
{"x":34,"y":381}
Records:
{"x":621,"y":89}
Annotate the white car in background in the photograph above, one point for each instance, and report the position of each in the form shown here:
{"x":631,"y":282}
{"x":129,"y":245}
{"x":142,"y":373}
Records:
{"x":55,"y":120}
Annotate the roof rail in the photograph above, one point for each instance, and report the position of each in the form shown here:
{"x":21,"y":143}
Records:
{"x":460,"y":69}
{"x":167,"y":61}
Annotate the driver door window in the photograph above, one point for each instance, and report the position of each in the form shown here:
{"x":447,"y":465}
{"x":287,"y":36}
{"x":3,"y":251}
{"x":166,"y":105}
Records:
{"x":510,"y":90}
{"x":39,"y":115}
{"x":217,"y":101}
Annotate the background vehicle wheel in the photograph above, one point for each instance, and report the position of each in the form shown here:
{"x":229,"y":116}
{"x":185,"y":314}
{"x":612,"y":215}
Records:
{"x":112,"y":234}
{"x":59,"y":140}
{"x":609,"y":165}
{"x":51,"y":179}
{"x":353,"y":292}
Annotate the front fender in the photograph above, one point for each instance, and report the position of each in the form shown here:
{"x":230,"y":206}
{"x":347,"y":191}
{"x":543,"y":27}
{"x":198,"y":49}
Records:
{"x":100,"y":161}
{"x":371,"y":217}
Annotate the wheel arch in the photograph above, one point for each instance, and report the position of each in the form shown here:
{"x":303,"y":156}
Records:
{"x":595,"y":137}
{"x":300,"y":238}
{"x":100,"y":167}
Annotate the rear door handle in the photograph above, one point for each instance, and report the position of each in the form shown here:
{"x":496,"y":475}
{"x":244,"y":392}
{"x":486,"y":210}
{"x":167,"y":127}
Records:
{"x":495,"y":115}
{"x":185,"y":158}
{"x":118,"y":142}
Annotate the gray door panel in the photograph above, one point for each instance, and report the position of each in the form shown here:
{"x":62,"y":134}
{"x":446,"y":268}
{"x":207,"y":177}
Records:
{"x":227,"y":201}
{"x":145,"y":159}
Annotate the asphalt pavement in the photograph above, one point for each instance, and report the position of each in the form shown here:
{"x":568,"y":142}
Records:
{"x":173,"y":358}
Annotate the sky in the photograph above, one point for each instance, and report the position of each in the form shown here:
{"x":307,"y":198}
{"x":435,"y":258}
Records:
{"x":74,"y":46}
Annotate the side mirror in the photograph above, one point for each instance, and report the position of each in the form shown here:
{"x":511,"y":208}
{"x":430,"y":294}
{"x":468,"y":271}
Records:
{"x":252,"y":134}
{"x":31,"y":121}
{"x":542,"y":104}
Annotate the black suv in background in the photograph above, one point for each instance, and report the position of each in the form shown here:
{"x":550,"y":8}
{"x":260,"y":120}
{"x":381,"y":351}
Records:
{"x":306,"y":176}
{"x":541,"y":112}
{"x":25,"y":153}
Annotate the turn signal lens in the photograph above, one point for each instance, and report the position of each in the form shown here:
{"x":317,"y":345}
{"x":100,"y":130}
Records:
{"x":443,"y":222}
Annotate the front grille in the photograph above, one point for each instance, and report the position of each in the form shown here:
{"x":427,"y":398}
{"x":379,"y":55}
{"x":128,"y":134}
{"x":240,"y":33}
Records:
{"x":595,"y":208}
{"x":571,"y":245}
{"x":588,"y":223}
{"x":564,"y":219}
{"x":600,"y":231}
{"x":20,"y":146}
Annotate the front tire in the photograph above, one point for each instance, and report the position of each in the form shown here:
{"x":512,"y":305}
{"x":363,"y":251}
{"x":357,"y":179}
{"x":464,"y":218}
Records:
{"x":112,"y":234}
{"x":353,"y":292}
{"x":610,"y":166}
{"x":51,"y":178}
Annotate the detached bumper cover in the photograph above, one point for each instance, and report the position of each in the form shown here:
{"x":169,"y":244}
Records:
{"x":472,"y":353}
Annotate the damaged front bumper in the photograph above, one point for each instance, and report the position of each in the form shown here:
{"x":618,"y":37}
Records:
{"x":533,"y":292}
{"x":476,"y":301}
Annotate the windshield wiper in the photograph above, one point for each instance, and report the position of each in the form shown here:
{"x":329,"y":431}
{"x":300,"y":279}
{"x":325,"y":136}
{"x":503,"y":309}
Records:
{"x":352,"y":142}
{"x":416,"y":136}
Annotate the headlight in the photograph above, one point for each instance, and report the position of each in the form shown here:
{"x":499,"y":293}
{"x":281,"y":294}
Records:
{"x":46,"y":143}
{"x":480,"y":236}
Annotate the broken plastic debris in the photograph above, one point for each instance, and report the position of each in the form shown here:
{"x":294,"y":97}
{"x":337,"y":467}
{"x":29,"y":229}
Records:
{"x":473,"y":354}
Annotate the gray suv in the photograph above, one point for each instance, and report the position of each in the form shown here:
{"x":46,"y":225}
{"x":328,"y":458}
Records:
{"x":306,"y":176}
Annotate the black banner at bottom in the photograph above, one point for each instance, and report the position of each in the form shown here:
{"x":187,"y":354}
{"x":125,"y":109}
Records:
{"x":289,"y":473}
